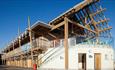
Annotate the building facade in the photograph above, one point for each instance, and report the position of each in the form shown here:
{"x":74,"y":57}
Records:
{"x":80,"y":38}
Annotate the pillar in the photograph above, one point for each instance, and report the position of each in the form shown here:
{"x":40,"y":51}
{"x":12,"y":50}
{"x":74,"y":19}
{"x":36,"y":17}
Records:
{"x":66,"y":43}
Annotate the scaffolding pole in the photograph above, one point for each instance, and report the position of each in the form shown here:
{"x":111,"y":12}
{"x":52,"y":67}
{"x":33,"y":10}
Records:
{"x":30,"y":35}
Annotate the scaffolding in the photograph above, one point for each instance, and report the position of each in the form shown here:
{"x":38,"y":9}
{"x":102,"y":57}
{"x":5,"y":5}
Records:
{"x":85,"y":20}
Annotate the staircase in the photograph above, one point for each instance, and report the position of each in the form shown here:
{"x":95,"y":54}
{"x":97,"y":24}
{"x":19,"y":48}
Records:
{"x":49,"y":55}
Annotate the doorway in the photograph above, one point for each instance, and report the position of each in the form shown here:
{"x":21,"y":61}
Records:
{"x":82,"y":61}
{"x":97,"y":61}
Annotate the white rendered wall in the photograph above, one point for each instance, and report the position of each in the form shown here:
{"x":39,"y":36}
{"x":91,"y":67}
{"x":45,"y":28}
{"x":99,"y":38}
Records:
{"x":106,"y":61}
{"x":58,"y":60}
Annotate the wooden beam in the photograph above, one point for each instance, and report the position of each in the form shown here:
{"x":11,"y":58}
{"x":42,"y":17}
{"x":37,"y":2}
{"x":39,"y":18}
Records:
{"x":83,"y":4}
{"x":80,"y":25}
{"x":36,"y":33}
{"x":58,"y":25}
{"x":98,"y":11}
{"x":52,"y":35}
{"x":19,"y":40}
{"x":72,"y":10}
{"x":57,"y":28}
{"x":66,"y":43}
{"x":30,"y":35}
{"x":94,"y":24}
{"x":102,"y":21}
{"x":105,"y":29}
{"x":14,"y":54}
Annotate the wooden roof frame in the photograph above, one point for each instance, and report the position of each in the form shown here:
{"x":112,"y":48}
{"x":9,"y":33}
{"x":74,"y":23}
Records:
{"x":56,"y":20}
{"x":55,"y":23}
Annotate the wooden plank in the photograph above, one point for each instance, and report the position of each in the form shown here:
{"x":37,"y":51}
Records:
{"x":66,"y":43}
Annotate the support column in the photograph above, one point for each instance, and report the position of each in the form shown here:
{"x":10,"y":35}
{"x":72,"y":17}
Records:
{"x":66,"y":43}
{"x":30,"y":36}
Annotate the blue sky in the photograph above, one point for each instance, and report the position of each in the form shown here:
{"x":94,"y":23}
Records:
{"x":14,"y":13}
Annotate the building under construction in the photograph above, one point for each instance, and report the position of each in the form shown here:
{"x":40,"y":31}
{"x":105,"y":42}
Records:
{"x":80,"y":38}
